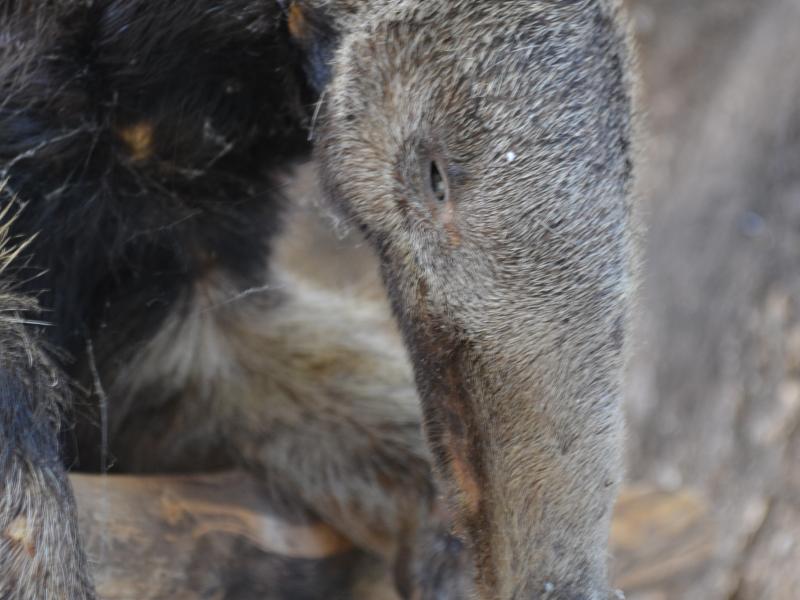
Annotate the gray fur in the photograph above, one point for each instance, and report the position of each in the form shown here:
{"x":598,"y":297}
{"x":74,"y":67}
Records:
{"x":512,"y":294}
{"x":38,"y":529}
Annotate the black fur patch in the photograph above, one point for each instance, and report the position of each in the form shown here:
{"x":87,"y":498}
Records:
{"x":140,"y":136}
{"x":28,"y":420}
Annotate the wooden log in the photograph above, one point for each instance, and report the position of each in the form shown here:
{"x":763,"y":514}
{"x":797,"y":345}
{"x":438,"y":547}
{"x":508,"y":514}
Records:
{"x":215,"y":536}
{"x":207,"y":536}
{"x":662,"y":543}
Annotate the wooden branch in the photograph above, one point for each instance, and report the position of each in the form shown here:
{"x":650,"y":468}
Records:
{"x":208,"y":536}
{"x":214,"y":536}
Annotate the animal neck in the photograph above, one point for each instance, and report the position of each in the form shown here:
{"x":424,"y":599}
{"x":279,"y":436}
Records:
{"x":508,"y":448}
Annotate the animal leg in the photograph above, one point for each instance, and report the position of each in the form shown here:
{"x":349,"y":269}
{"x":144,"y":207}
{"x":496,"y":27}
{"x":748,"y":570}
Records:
{"x":41,"y":557}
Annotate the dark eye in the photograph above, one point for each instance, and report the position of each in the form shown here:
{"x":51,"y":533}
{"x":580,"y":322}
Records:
{"x":438,"y":183}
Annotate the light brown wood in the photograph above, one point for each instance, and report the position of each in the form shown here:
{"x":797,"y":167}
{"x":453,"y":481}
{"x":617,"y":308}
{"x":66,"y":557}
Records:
{"x":662,"y":542}
{"x":201,"y":537}
{"x":214,"y":536}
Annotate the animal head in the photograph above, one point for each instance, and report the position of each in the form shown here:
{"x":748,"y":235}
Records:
{"x":465,"y":138}
{"x":484,"y":150}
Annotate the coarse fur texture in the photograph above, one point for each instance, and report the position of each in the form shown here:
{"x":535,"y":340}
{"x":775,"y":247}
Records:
{"x":511,"y":289}
{"x":484,"y":150}
{"x":38,"y":530}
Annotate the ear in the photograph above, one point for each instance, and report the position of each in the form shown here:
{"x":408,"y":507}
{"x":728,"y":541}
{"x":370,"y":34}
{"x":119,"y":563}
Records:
{"x":312,"y":28}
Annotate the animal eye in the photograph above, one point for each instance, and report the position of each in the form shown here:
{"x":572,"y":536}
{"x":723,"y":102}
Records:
{"x":438,"y":183}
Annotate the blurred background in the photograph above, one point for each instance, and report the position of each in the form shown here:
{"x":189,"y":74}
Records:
{"x":714,"y":395}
